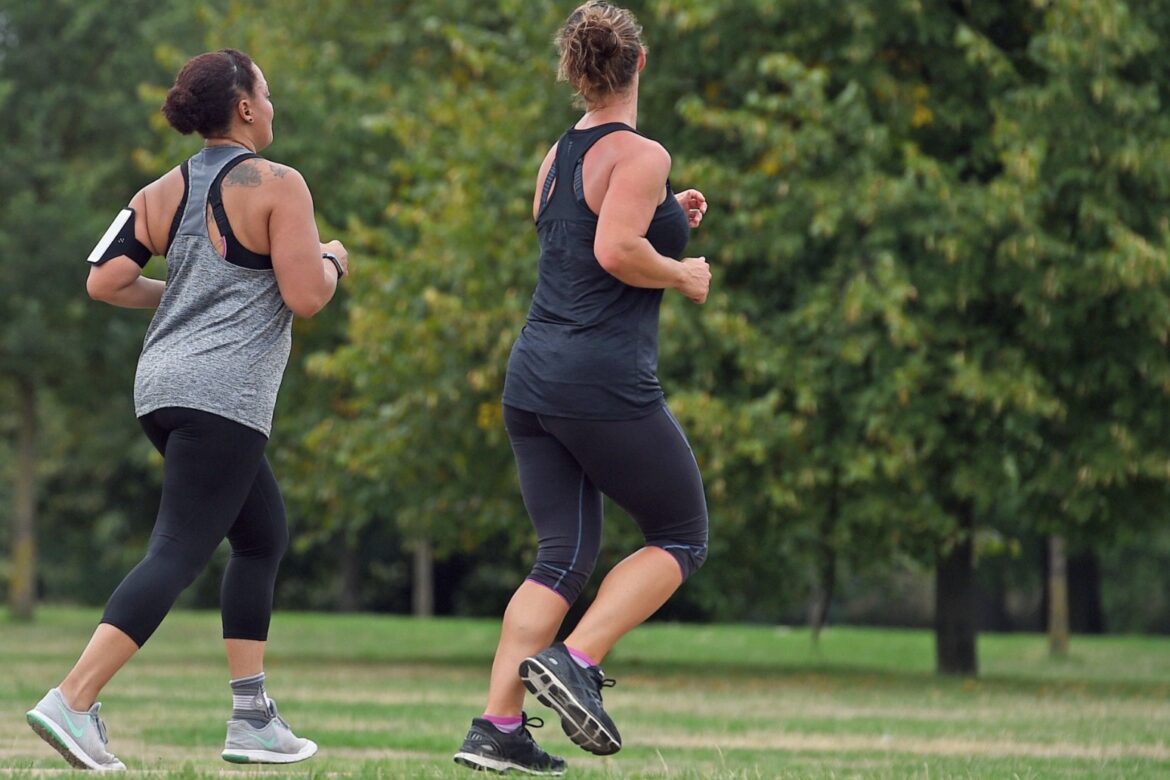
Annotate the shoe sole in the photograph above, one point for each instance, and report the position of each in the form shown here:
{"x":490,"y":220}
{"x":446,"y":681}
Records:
{"x":267,"y":756}
{"x":64,"y":744}
{"x":585,"y":731}
{"x":485,"y":764}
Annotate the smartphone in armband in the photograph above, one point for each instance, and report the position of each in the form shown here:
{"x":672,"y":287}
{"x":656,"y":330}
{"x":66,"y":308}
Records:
{"x":118,"y":240}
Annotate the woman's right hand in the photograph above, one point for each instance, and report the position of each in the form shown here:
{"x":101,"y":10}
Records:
{"x":696,"y":279}
{"x":336,"y":248}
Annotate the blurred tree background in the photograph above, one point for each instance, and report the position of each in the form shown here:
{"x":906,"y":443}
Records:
{"x":935,"y":352}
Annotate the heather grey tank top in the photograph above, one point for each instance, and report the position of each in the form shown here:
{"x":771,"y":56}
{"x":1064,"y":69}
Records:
{"x":220,"y":339}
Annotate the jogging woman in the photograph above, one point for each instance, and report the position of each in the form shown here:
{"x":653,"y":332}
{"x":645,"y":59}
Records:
{"x":583,"y":407}
{"x":243,"y":257}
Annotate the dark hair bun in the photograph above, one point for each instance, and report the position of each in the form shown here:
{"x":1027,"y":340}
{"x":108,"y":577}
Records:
{"x":204,"y":96}
{"x":182,"y":110}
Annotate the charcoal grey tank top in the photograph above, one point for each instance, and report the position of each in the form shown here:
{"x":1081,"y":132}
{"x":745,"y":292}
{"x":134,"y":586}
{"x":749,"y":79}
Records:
{"x":220,"y":339}
{"x":589,"y":348}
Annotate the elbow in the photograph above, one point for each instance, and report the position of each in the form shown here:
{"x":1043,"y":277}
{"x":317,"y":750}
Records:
{"x":617,"y":256}
{"x":611,"y":259}
{"x":98,"y":289}
{"x":305,"y":310}
{"x":610,"y":264}
{"x":307,"y":306}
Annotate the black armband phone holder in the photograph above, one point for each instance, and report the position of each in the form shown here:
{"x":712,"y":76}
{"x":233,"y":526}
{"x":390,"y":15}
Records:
{"x":119,"y":239}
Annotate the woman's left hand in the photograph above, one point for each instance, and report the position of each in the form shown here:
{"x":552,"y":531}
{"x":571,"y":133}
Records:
{"x":694,"y":204}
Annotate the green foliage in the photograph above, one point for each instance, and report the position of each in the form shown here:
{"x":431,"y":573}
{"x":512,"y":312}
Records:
{"x":896,"y":207}
{"x":416,"y":438}
{"x":69,"y":111}
{"x":938,"y":234}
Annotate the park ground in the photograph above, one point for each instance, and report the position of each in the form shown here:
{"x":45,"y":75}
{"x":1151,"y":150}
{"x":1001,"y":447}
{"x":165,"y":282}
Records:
{"x":389,"y":697}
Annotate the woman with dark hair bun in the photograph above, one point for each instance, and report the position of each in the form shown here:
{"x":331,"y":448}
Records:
{"x":583,"y":407}
{"x":243,"y":257}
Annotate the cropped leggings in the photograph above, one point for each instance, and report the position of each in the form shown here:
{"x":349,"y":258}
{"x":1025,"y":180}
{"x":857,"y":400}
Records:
{"x":646,"y":466}
{"x":216,"y":484}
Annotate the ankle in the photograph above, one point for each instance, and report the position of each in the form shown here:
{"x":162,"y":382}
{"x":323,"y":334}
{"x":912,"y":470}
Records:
{"x":505,"y":723}
{"x":74,"y":697}
{"x":250,"y":700}
{"x":583,"y":659}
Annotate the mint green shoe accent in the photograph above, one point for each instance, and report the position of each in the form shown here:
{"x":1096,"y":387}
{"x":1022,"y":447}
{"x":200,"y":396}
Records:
{"x":77,"y":731}
{"x":273,"y":743}
{"x":84,"y":745}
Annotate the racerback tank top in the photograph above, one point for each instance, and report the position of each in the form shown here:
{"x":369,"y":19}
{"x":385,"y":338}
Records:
{"x":589,"y":347}
{"x":220,"y":339}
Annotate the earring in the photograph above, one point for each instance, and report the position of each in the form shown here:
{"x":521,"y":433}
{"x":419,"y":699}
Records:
{"x":251,"y":120}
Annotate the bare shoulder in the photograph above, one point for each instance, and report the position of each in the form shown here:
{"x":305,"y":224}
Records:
{"x":258,"y":172}
{"x":640,"y":152}
{"x":165,"y":188}
{"x":161,"y":196}
{"x":650,"y":148}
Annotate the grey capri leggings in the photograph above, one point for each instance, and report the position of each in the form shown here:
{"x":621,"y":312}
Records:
{"x":645,"y":465}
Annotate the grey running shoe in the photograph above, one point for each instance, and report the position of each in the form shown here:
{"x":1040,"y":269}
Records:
{"x":574,"y":692}
{"x":80,"y":737}
{"x":487,"y":748}
{"x":272,"y":743}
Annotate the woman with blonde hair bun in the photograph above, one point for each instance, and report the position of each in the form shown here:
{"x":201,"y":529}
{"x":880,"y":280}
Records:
{"x":583,"y":407}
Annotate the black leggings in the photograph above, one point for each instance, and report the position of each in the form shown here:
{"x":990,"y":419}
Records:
{"x":216,"y":484}
{"x":646,"y":466}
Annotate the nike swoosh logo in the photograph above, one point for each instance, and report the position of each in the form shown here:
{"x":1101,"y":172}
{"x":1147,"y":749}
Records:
{"x":76,"y":731}
{"x":265,"y":743}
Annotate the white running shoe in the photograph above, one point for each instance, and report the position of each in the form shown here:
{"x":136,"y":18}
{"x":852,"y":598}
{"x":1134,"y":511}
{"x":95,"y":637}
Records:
{"x":80,"y":737}
{"x":273,"y":743}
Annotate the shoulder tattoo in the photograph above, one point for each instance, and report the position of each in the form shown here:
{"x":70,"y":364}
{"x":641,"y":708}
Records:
{"x":243,"y":175}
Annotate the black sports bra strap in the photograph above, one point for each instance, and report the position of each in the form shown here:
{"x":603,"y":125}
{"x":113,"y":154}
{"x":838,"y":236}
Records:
{"x":178,"y":218}
{"x":215,"y":195}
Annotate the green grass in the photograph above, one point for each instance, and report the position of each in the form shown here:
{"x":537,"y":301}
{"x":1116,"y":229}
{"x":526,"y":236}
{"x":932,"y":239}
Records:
{"x":390,"y":697}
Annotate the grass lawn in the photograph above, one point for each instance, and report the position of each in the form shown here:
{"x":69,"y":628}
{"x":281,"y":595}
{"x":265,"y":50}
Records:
{"x":391,"y":697}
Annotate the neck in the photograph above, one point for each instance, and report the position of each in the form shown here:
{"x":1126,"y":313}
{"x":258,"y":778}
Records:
{"x":619,"y":108}
{"x":230,"y":140}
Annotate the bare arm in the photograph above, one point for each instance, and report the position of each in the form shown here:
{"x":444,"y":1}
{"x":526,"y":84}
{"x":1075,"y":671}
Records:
{"x":635,"y":187}
{"x":306,"y":280}
{"x":119,"y":281}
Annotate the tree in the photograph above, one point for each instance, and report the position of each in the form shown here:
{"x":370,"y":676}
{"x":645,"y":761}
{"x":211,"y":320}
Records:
{"x":69,"y":72}
{"x":415,"y":438}
{"x":1082,"y":145}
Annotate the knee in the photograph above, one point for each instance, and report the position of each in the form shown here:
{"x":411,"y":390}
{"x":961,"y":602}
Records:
{"x":565,"y":578}
{"x":268,"y":546}
{"x":279,"y":544}
{"x":175,"y":566}
{"x":690,"y":557}
{"x":687,"y":543}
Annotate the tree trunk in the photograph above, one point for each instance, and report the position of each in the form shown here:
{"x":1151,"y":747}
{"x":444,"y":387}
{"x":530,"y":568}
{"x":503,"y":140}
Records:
{"x":423,"y":590}
{"x":1057,"y":598}
{"x":826,"y":566}
{"x":954,"y":602}
{"x":22,"y":585}
{"x":349,"y":599}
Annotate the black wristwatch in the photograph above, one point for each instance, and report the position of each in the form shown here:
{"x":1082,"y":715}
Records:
{"x":336,"y":263}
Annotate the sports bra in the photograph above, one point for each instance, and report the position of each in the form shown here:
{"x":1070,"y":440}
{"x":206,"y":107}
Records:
{"x":234,"y":252}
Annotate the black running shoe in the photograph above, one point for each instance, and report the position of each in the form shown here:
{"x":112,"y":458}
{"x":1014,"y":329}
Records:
{"x":574,"y":692}
{"x":487,"y":748}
